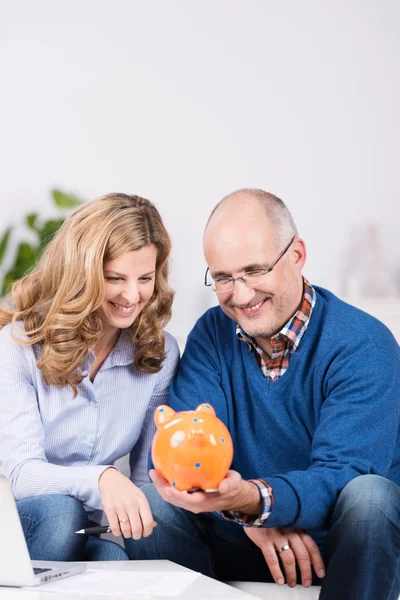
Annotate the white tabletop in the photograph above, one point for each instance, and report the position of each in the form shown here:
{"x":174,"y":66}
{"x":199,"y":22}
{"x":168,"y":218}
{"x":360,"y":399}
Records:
{"x":202,"y":588}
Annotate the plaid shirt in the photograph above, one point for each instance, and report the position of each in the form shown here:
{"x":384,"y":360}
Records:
{"x":285,"y":342}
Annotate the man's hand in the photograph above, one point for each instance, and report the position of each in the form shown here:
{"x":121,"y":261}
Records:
{"x":234,"y":493}
{"x":302,"y":550}
{"x":125,"y":505}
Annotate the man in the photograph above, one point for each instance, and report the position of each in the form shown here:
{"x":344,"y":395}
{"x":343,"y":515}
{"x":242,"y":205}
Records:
{"x":308,"y":387}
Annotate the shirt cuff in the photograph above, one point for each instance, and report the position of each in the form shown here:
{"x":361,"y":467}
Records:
{"x":267,"y":497}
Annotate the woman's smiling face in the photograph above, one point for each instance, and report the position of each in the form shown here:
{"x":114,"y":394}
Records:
{"x":129,"y":285}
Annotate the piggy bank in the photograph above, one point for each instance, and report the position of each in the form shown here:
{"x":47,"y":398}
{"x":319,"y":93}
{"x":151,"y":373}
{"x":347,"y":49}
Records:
{"x":191,"y":449}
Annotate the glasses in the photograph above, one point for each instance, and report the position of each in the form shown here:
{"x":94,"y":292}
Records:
{"x":249,"y":279}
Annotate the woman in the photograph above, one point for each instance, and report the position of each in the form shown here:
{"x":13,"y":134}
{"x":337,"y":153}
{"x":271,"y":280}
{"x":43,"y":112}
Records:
{"x":83,"y":364}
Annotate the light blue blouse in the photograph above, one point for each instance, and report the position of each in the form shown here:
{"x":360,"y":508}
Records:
{"x":53,"y":443}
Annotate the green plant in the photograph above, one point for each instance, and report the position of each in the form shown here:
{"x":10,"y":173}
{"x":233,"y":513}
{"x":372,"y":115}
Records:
{"x":27,"y":253}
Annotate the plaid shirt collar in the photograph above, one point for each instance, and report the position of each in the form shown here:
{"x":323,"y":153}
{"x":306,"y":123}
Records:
{"x":292,"y":332}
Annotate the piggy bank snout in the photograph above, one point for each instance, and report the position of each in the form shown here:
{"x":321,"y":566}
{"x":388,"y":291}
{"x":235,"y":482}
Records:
{"x":197,"y":439}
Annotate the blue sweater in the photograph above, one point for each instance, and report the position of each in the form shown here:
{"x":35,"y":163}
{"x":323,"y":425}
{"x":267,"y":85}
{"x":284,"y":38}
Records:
{"x":332,"y":416}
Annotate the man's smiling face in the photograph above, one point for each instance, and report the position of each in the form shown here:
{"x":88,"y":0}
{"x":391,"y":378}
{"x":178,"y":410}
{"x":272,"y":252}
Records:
{"x":240,"y":238}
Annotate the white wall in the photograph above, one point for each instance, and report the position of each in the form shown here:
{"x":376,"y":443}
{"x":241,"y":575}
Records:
{"x":184,"y":101}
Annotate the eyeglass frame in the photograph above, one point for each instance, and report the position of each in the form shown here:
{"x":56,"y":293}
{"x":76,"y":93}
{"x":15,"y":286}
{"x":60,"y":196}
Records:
{"x":240,"y":278}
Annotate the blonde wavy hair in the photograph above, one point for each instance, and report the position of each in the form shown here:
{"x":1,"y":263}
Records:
{"x":58,"y":301}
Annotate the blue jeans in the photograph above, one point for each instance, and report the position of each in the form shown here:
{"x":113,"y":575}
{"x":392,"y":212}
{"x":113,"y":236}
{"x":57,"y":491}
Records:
{"x":361,"y":550}
{"x":49,"y":523}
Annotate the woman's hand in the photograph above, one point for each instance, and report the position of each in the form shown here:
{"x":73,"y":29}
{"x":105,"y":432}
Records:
{"x":125,"y":505}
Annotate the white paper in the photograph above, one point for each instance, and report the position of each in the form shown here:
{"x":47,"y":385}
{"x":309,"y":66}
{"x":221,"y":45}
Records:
{"x":123,"y":583}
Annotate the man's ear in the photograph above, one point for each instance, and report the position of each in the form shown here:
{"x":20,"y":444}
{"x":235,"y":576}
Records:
{"x":300,"y":253}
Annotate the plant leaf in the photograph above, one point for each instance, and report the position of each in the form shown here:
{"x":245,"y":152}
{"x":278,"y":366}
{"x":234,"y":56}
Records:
{"x":24,"y":261}
{"x":7,"y":283}
{"x":63,"y":200}
{"x":4,"y":243}
{"x":30,"y":220}
{"x":49,"y":228}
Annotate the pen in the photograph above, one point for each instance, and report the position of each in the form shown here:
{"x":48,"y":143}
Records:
{"x":99,"y":530}
{"x":95,"y":530}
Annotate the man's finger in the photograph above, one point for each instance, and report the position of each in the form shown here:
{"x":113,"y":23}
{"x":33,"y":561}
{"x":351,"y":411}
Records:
{"x":261,"y":539}
{"x":303,"y":559}
{"x":271,"y":558}
{"x":168,"y":492}
{"x":231,"y":481}
{"x":192,"y":501}
{"x":289,"y":564}
{"x":315,"y":554}
{"x":157,"y":479}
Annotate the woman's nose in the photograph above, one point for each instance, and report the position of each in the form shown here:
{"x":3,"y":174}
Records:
{"x":131,"y":293}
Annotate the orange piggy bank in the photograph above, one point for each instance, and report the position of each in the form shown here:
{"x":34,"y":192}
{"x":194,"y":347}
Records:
{"x":191,"y":449}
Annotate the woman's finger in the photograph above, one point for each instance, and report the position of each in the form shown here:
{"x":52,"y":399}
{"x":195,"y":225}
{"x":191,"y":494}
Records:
{"x":146,"y":516}
{"x":136,"y":525}
{"x":124,"y":523}
{"x":113,"y":521}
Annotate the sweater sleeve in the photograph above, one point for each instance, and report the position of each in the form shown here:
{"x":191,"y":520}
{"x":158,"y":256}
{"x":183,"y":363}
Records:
{"x":356,"y":435}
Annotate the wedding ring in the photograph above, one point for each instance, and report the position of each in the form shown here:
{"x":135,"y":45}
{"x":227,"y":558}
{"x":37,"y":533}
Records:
{"x":284,"y":548}
{"x":123,"y":520}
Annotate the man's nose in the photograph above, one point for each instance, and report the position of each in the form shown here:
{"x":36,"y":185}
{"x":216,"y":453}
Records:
{"x":241,"y":294}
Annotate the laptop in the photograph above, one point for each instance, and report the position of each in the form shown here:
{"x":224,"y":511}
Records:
{"x":16,"y":568}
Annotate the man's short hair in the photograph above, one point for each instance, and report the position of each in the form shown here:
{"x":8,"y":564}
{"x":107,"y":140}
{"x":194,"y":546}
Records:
{"x":275,"y":209}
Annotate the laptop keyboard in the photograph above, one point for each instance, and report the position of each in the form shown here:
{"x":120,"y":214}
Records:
{"x":37,"y":571}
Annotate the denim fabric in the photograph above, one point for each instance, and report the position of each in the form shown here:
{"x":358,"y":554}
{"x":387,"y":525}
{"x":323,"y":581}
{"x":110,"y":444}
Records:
{"x":362,"y":547}
{"x":49,"y":523}
{"x":204,"y":543}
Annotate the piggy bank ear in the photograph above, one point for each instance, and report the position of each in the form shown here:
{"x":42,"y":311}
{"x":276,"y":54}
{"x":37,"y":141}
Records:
{"x":162,"y":413}
{"x":206,"y":408}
